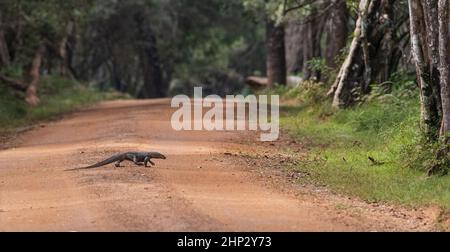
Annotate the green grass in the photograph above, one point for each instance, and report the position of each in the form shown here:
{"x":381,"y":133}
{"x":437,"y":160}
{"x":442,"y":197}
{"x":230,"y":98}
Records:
{"x":58,"y":96}
{"x":385,"y":128}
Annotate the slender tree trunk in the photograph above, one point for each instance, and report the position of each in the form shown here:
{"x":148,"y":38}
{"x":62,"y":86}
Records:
{"x":312,"y":49}
{"x":4,"y":52}
{"x":71,"y":45}
{"x":31,"y":96}
{"x":49,"y":65}
{"x":276,"y":60}
{"x":386,"y":58}
{"x":308,"y":50}
{"x":64,"y":50}
{"x":63,"y":55}
{"x":118,"y":73}
{"x":17,"y":41}
{"x":432,"y":37}
{"x":364,"y":37}
{"x":312,"y":43}
{"x":444,"y":66}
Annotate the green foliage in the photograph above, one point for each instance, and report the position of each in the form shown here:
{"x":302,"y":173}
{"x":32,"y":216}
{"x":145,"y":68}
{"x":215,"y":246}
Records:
{"x":309,"y":92}
{"x":13,"y":72}
{"x":400,"y":86}
{"x":263,"y":9}
{"x":37,"y":23}
{"x":278,"y":10}
{"x":425,"y":156}
{"x":353,"y":6}
{"x":213,"y":44}
{"x":12,"y":108}
{"x":216,"y":49}
{"x":385,"y":128}
{"x":319,"y":64}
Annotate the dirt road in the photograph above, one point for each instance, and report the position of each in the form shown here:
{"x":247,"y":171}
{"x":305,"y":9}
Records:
{"x":201,"y":186}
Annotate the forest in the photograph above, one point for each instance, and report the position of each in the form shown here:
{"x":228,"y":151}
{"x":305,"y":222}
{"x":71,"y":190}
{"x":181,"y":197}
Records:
{"x":364,"y":85}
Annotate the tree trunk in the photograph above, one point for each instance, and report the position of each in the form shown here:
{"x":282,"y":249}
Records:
{"x":65,"y":51}
{"x":364,"y":37}
{"x":337,"y":32}
{"x":429,"y":109}
{"x":430,"y":30}
{"x":313,"y":32}
{"x":386,"y":57}
{"x":118,"y":72}
{"x":149,"y":60}
{"x":294,"y":47}
{"x":31,"y":96}
{"x":311,"y":44}
{"x":4,"y":52}
{"x":432,"y":37}
{"x":341,"y":88}
{"x":444,"y":65}
{"x":276,"y":60}
{"x":371,"y":54}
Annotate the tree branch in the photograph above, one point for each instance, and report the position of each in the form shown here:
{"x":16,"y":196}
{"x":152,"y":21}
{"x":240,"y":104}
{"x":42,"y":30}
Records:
{"x":299,"y":6}
{"x":16,"y":84}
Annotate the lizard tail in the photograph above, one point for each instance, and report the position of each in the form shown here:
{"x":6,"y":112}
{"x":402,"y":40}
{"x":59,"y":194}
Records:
{"x":101,"y":163}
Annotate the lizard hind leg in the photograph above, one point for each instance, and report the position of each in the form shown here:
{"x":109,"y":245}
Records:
{"x":135,"y":161}
{"x":117,"y":164}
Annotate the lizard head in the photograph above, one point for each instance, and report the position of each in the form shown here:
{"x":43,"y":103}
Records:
{"x":156,"y":155}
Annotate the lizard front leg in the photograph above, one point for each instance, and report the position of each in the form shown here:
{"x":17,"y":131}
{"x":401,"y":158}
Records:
{"x":147,"y":160}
